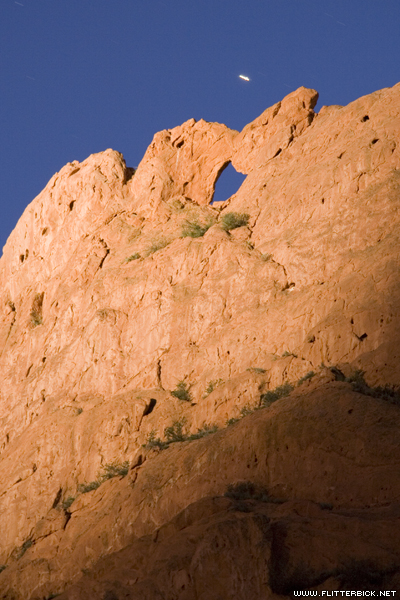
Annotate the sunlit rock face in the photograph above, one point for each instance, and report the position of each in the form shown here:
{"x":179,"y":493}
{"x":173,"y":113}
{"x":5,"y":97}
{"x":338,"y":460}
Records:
{"x":121,"y":287}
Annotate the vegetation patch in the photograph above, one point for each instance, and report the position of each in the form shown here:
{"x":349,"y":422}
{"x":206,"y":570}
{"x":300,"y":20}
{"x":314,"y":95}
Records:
{"x":195,"y":229}
{"x":326,"y":505}
{"x":109,"y":471}
{"x":244,"y":412}
{"x":134,"y":256}
{"x":234,"y":220}
{"x":68,"y":502}
{"x":359,"y":385}
{"x":115,"y":470}
{"x":84,"y":488}
{"x":273,"y":395}
{"x":247,"y":490}
{"x":211,"y":385}
{"x":182,"y":392}
{"x":266,"y":400}
{"x":2,"y":567}
{"x":247,"y":410}
{"x":175,"y":433}
{"x":307,"y":376}
{"x":155,"y":442}
{"x":266,"y":257}
{"x":25,"y":546}
{"x":203,"y":432}
{"x":156,"y":245}
{"x":232,"y":421}
{"x":36,"y":311}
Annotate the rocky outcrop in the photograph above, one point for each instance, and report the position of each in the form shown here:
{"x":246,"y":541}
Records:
{"x":266,"y":544}
{"x":130,"y":306}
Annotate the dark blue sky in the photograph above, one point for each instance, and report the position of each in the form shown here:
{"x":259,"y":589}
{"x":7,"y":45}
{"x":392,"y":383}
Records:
{"x":80,"y":76}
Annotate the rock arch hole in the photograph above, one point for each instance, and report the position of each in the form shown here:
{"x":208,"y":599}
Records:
{"x":228,"y":182}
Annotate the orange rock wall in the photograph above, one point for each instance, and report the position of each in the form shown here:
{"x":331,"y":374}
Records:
{"x":92,"y":344}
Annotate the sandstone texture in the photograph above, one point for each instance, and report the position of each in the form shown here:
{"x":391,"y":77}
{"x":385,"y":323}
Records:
{"x":132,"y":317}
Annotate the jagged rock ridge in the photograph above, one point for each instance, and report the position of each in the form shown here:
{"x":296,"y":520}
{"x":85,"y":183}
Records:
{"x":106,"y":305}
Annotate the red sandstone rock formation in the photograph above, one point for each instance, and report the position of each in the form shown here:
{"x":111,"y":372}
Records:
{"x":107,"y":305}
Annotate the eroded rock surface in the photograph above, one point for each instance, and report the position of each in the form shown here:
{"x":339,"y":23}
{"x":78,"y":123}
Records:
{"x":273,"y":549}
{"x":107,"y":303}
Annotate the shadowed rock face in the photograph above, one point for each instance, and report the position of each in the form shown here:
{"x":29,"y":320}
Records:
{"x":117,"y":286}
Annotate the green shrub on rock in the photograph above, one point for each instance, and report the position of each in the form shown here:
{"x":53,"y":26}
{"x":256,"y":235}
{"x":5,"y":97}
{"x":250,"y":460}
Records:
{"x":182,"y":392}
{"x":280,"y":392}
{"x":134,"y":256}
{"x":234,"y":220}
{"x":194,"y":229}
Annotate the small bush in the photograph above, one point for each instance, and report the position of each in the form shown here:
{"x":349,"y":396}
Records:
{"x":273,"y":395}
{"x":157,"y":245}
{"x":232,"y":421}
{"x":383,"y":393}
{"x":256,"y":370}
{"x":36,"y":312}
{"x":386,"y":393}
{"x":360,"y":385}
{"x":326,"y":505}
{"x":36,"y":319}
{"x":357,"y":381}
{"x":308,"y":375}
{"x":2,"y":567}
{"x":194,"y":229}
{"x":84,"y":488}
{"x":234,"y":220}
{"x":287,"y":353}
{"x":134,"y":256}
{"x":203,"y":432}
{"x":110,"y":470}
{"x":68,"y":502}
{"x":25,"y":546}
{"x":115,"y":470}
{"x":266,"y":257}
{"x":182,"y":392}
{"x":155,"y":442}
{"x":174,"y":433}
{"x":211,"y":386}
{"x":247,"y":410}
{"x":247,"y":490}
